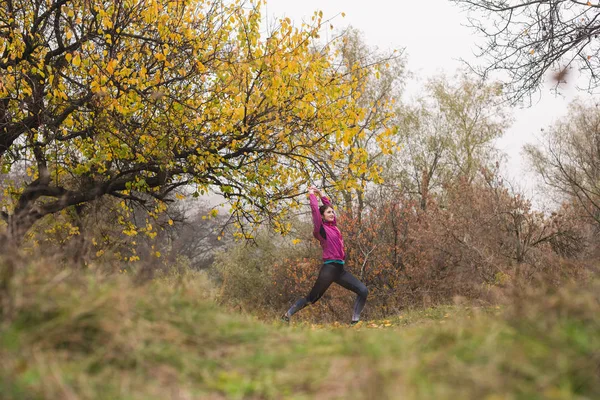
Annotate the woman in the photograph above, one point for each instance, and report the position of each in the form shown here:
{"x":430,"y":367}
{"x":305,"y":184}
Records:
{"x":330,"y":237}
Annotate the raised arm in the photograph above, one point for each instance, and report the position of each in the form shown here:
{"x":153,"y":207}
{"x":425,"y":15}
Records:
{"x":316,"y":215}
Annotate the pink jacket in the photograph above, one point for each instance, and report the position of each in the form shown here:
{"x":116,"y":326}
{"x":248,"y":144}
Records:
{"x":333,"y":244}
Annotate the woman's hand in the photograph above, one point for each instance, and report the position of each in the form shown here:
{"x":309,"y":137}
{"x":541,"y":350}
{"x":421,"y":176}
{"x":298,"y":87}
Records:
{"x":314,"y":190}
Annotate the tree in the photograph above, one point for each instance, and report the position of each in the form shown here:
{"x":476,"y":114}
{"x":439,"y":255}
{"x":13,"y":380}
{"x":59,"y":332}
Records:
{"x":569,"y":159}
{"x":447,"y":134}
{"x":136,"y":98}
{"x":421,"y":167}
{"x":527,"y":39}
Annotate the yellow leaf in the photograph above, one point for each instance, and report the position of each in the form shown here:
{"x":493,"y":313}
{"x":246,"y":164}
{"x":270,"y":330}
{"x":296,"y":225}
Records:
{"x":110,"y":67}
{"x":107,"y":23}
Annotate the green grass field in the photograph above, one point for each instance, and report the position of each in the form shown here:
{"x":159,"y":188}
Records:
{"x":72,"y":335}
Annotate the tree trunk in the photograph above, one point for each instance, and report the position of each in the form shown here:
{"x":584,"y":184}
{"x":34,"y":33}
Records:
{"x":424,"y":189}
{"x":361,"y":205}
{"x":348,"y":200}
{"x":18,"y":225}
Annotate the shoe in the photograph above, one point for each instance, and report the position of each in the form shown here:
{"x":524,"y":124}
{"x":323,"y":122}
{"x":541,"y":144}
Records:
{"x":285,"y":318}
{"x":352,"y":323}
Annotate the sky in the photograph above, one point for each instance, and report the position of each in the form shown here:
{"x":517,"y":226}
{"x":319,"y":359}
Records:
{"x":434,"y":37}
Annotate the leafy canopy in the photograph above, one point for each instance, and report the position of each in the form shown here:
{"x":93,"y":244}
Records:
{"x":136,"y":98}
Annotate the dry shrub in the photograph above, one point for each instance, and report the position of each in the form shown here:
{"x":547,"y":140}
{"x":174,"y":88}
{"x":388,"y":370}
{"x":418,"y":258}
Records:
{"x":479,"y":242}
{"x":477,"y":238}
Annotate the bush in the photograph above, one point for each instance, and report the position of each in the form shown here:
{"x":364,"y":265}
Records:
{"x":266,"y":274}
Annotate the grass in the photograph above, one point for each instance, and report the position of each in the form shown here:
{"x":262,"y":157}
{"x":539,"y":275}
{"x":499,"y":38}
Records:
{"x":82,"y":335}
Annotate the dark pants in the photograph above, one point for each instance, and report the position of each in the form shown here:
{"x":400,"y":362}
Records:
{"x":334,"y":272}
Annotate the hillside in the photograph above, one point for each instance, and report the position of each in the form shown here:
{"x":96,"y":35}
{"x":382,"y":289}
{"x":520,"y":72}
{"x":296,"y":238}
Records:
{"x":83,"y":335}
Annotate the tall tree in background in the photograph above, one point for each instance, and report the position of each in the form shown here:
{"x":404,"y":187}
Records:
{"x":136,"y":98}
{"x":527,"y":39}
{"x":447,"y":134}
{"x":569,"y":158}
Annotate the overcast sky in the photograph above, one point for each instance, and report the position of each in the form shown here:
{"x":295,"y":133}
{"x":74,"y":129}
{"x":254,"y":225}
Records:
{"x":434,"y":40}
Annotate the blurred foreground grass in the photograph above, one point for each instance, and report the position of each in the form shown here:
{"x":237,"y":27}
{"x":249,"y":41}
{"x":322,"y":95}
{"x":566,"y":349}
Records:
{"x":84,"y":335}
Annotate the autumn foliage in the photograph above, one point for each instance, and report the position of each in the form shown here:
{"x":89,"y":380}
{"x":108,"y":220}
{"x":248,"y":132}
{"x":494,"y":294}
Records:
{"x":136,"y":99}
